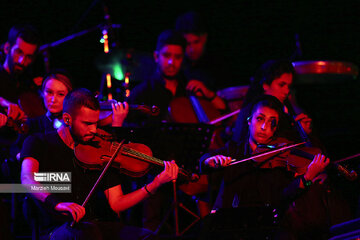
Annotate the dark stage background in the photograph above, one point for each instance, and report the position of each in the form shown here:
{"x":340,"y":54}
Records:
{"x":245,"y":32}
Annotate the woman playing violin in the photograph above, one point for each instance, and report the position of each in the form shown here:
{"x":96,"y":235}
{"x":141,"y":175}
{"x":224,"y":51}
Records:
{"x":261,"y":182}
{"x":55,"y":87}
{"x":275,"y":78}
{"x":54,"y":152}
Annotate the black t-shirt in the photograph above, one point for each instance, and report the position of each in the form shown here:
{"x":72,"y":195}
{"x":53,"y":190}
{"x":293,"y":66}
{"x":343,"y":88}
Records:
{"x":40,"y":124}
{"x":54,"y":156}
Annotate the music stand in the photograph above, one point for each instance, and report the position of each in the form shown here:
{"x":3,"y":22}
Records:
{"x":185,"y":143}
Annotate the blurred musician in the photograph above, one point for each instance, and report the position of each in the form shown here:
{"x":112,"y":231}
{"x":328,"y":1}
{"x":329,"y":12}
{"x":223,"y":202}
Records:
{"x":169,"y":81}
{"x":20,"y":49}
{"x":201,"y":67}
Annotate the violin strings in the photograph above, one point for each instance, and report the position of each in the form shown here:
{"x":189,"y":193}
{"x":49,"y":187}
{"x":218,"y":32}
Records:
{"x":146,"y":157}
{"x":143,"y":155}
{"x":139,"y":154}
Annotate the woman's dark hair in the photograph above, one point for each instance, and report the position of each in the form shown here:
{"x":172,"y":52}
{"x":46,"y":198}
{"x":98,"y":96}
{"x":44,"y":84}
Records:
{"x":266,"y":74}
{"x":267,"y":101}
{"x":241,"y":129}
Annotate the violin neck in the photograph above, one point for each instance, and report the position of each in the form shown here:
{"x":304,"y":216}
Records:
{"x":144,"y":157}
{"x":108,"y":106}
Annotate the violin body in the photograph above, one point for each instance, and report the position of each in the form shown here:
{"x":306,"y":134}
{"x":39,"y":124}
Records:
{"x":96,"y":154}
{"x":294,"y":160}
{"x":133,"y":159}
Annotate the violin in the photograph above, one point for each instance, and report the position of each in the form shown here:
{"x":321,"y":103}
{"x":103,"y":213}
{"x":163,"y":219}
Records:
{"x":272,"y":156}
{"x":133,"y":159}
{"x":306,"y":154}
{"x":296,"y":159}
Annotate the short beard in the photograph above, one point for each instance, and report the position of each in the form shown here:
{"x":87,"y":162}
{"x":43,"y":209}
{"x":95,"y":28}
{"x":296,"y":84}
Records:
{"x":75,"y":138}
{"x":11,"y":66}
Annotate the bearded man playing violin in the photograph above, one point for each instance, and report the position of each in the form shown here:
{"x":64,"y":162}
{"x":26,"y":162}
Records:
{"x":54,"y":152}
{"x":260,"y":182}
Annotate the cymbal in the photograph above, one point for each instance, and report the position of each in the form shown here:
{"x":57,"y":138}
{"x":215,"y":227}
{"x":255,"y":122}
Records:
{"x":326,"y":67}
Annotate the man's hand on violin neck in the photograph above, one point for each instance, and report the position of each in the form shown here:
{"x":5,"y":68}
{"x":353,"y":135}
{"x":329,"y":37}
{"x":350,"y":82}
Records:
{"x":218,"y":161}
{"x":317,"y":166}
{"x":170,"y":173}
{"x":77,"y":212}
{"x":120,"y":111}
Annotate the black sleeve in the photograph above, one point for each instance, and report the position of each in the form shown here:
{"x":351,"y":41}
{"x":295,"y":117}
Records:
{"x":293,"y":190}
{"x":33,"y":147}
{"x":112,"y":179}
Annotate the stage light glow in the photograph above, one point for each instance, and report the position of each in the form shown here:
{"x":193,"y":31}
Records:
{"x":118,"y":72}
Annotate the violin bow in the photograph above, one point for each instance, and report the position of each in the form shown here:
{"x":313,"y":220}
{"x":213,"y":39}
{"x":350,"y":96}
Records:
{"x":219,"y":119}
{"x":101,"y":176}
{"x":234,"y":161}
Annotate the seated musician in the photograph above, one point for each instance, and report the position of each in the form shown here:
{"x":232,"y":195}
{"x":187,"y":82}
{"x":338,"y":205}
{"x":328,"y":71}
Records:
{"x":201,"y":66}
{"x":20,"y":49}
{"x":55,"y":86}
{"x":275,"y":78}
{"x":160,"y":90}
{"x":168,"y":81}
{"x":54,"y":152}
{"x":263,"y":182}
